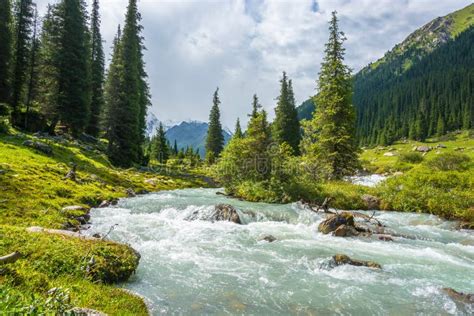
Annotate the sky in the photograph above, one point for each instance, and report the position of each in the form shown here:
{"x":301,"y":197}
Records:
{"x":243,"y":46}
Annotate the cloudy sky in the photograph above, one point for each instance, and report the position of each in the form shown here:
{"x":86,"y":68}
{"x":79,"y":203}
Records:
{"x":242,"y":46}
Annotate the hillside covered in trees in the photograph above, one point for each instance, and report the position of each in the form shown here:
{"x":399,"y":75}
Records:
{"x":423,"y":87}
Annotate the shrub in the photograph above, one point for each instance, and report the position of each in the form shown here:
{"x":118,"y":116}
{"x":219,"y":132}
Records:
{"x":450,"y":162}
{"x":410,"y":157}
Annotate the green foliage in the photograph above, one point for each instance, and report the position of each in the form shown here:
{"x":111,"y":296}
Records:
{"x":97,"y":73}
{"x":450,"y":161}
{"x":5,"y":49}
{"x":23,"y":26}
{"x":286,"y":126}
{"x":329,"y":138}
{"x":410,"y":157}
{"x":215,"y":138}
{"x":159,"y":145}
{"x":238,"y":130}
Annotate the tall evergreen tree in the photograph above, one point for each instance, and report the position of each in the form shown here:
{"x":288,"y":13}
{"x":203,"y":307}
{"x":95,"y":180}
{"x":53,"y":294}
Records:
{"x":5,"y":49}
{"x":97,"y":73}
{"x":160,"y":148}
{"x":22,"y":44}
{"x":286,"y":127}
{"x":330,"y":136}
{"x":33,"y":64}
{"x":73,"y":101}
{"x":175,"y":148}
{"x":130,"y":97}
{"x":215,"y":137}
{"x":255,"y":106}
{"x":238,"y":130}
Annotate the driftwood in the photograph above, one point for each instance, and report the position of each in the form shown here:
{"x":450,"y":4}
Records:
{"x":10,"y":258}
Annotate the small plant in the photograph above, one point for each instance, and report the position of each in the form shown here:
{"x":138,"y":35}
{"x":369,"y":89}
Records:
{"x":410,"y":157}
{"x":450,"y":162}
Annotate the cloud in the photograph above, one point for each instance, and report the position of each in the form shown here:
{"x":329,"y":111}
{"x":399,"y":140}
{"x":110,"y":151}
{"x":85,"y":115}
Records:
{"x":243,"y":46}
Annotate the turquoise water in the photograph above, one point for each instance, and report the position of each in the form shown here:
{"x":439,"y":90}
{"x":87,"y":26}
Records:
{"x":203,"y":267}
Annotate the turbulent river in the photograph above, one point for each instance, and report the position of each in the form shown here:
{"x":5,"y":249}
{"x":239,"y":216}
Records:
{"x":204,"y":267}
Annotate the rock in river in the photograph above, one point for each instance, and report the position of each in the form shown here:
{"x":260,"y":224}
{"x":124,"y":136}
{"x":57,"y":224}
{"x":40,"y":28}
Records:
{"x":459,"y":296}
{"x":226,"y":212}
{"x":341,"y":259}
{"x":332,"y":223}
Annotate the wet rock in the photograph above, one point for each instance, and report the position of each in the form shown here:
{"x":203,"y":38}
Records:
{"x":333,"y":222}
{"x":465,"y":225}
{"x":385,"y":238}
{"x":459,"y":296}
{"x":107,"y":203}
{"x":341,"y":259}
{"x":97,"y":235}
{"x":143,"y":191}
{"x":269,"y":238}
{"x":42,"y":147}
{"x":345,"y":231}
{"x":226,"y":212}
{"x":130,"y":192}
{"x":372,"y":202}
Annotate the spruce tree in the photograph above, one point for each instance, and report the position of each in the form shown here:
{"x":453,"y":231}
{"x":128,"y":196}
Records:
{"x":329,"y":138}
{"x":286,"y":127}
{"x":440,"y":129}
{"x":160,"y":148}
{"x":127,"y":94}
{"x":73,"y":101}
{"x":175,"y":148}
{"x":5,"y":49}
{"x":238,"y":130}
{"x":215,"y":137}
{"x":255,"y":106}
{"x":97,"y":73}
{"x":23,"y":26}
{"x":33,"y":65}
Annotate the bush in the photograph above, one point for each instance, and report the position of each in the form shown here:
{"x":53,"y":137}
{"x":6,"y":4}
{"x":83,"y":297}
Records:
{"x":450,"y":162}
{"x":410,"y":157}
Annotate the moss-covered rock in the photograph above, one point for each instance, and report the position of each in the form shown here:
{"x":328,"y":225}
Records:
{"x":334,"y":221}
{"x":340,"y":259}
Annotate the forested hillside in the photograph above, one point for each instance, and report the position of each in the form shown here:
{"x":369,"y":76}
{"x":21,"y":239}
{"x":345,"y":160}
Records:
{"x":423,"y":87}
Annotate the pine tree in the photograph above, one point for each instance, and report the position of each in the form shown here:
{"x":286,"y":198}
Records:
{"x":128,"y":94}
{"x":97,"y":73}
{"x":255,"y":106}
{"x":329,"y":138}
{"x":33,"y":65}
{"x":215,"y":137}
{"x":175,"y":148}
{"x":22,"y":45}
{"x":160,"y":148}
{"x":73,"y":101}
{"x":5,"y":49}
{"x":440,"y":129}
{"x":286,"y":127}
{"x":238,"y":130}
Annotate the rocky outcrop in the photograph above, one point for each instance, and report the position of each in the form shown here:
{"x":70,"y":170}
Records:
{"x":459,"y":297}
{"x":42,"y":147}
{"x":226,"y":212}
{"x":341,"y":259}
{"x":334,"y":221}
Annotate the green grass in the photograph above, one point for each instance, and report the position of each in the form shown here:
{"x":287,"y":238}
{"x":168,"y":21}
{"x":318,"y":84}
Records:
{"x":33,"y":190}
{"x":462,"y":19}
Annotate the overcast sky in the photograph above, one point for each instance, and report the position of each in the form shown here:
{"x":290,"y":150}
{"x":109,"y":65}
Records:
{"x":243,"y":46}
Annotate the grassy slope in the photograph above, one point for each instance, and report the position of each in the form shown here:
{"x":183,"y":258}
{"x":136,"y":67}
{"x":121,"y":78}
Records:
{"x":463,"y":19}
{"x":32,"y":192}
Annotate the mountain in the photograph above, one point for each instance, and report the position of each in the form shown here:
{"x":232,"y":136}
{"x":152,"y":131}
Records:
{"x":192,"y":133}
{"x":423,"y":87}
{"x":305,"y":110}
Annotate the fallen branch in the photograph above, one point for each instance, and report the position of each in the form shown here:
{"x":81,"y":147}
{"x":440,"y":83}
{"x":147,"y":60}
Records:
{"x":110,"y":230}
{"x":10,"y":258}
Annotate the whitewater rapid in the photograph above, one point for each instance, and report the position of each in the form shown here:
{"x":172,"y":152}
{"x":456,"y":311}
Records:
{"x":203,"y":267}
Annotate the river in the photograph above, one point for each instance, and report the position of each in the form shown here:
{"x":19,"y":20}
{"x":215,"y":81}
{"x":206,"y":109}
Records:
{"x":203,"y":267}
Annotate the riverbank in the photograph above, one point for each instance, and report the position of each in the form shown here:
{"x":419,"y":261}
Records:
{"x":36,"y":185}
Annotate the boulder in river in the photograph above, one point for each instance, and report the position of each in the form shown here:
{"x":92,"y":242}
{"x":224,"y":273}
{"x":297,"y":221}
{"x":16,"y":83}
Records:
{"x":459,"y":296}
{"x":269,"y":238}
{"x":334,"y":221}
{"x":226,"y":212}
{"x":345,"y":231}
{"x":341,"y":259}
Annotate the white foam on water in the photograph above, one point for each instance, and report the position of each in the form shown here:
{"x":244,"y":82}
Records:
{"x":204,"y":267}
